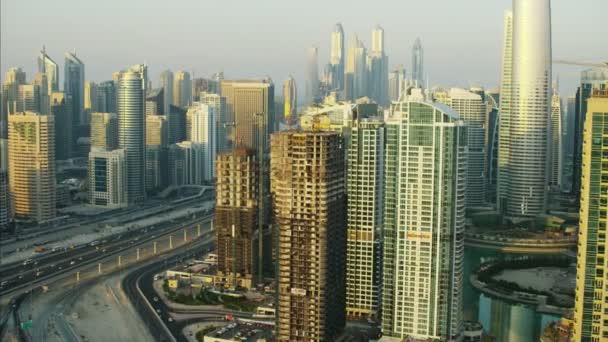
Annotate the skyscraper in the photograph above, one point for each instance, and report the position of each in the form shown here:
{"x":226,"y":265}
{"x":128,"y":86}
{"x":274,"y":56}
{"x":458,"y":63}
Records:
{"x":365,"y":189}
{"x":249,"y":104}
{"x":203,"y":133}
{"x":157,"y":140}
{"x":378,"y":68}
{"x":42,"y":94}
{"x":337,"y":57}
{"x":107,"y":97}
{"x":555,"y":168}
{"x":182,"y":89}
{"x":396,"y":83}
{"x":154,"y":101}
{"x":418,"y":63}
{"x":218,"y":104}
{"x":157,"y":130}
{"x":61,"y":111}
{"x":193,"y":157}
{"x":424,"y":221}
{"x":13,"y":78}
{"x":471,"y":108}
{"x":104,"y":131}
{"x":590,"y":314}
{"x":355,"y":74}
{"x":312,"y":75}
{"x":132,"y":128}
{"x":4,"y":199}
{"x":309,"y":207}
{"x":504,"y":122}
{"x":166,"y":81}
{"x":31,"y":148}
{"x":525,"y":126}
{"x":236,"y":211}
{"x":48,"y":67}
{"x":107,"y":178}
{"x":74,"y":88}
{"x":290,"y":92}
{"x":28,"y":98}
{"x":590,"y":79}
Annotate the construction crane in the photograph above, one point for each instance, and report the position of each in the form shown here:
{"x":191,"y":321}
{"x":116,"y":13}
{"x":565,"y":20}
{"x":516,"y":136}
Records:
{"x":589,"y":64}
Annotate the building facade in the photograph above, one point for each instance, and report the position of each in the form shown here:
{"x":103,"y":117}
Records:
{"x":290,"y":92}
{"x":132,"y":128}
{"x":425,"y":175}
{"x":73,"y":86}
{"x":591,"y":304}
{"x":62,"y":112}
{"x":309,"y":206}
{"x":31,"y":153}
{"x":104,"y":131}
{"x":365,"y":210}
{"x":203,"y":133}
{"x":236,"y":211}
{"x":107,"y":178}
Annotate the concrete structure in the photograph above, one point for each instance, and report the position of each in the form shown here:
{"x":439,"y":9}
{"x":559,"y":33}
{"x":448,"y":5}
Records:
{"x":5,"y":212}
{"x":193,"y":156}
{"x":62,"y":112}
{"x":166,"y":81}
{"x":182,"y":89}
{"x":246,"y":100}
{"x":177,"y":124}
{"x":418,"y":64}
{"x":425,"y":175}
{"x":155,"y":101}
{"x":528,"y":118}
{"x":50,"y":69}
{"x":31,"y":148}
{"x":378,"y":68}
{"x":290,"y":97}
{"x":156,"y":167}
{"x":176,"y":159}
{"x":73,"y":86}
{"x":309,"y":206}
{"x":157,"y":130}
{"x":203,"y":133}
{"x":132,"y":128}
{"x":365,"y":189}
{"x":29,"y":99}
{"x":104,"y":131}
{"x":337,"y":57}
{"x":107,"y":178}
{"x":236,"y":212}
{"x":472,"y":109}
{"x":591,"y":305}
{"x":504,"y":122}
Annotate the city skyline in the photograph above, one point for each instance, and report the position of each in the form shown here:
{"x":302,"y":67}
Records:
{"x":225,"y":46}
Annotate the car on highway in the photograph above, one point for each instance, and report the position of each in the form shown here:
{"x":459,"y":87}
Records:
{"x":28,"y":262}
{"x":72,"y":263}
{"x":3,"y":284}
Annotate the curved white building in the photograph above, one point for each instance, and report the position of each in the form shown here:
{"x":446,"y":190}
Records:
{"x":132,"y":128}
{"x":530,"y":110}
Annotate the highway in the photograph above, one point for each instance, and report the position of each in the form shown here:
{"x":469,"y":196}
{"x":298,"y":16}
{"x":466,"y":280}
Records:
{"x":41,"y":270}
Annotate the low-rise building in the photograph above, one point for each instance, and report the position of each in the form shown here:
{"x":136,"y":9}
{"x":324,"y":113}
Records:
{"x":244,"y":332}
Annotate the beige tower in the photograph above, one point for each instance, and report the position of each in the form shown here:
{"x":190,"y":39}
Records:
{"x":246,"y":101}
{"x":591,"y":306}
{"x":104,"y":131}
{"x":32,"y":166}
{"x":309,"y":208}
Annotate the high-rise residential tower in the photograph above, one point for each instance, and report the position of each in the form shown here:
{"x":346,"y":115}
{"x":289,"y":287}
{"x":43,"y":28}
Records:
{"x":378,"y":68}
{"x":396,"y":83}
{"x":504,"y":122}
{"x":471,"y":108}
{"x":337,"y":57}
{"x":132,"y":128}
{"x":31,"y":148}
{"x":47,"y":66}
{"x":312,"y":75}
{"x":250,"y":111}
{"x":355,"y":73}
{"x":13,"y":78}
{"x":61,"y":111}
{"x":73,"y":86}
{"x":424,"y":208}
{"x":309,"y":209}
{"x":182,"y":89}
{"x":555,"y":145}
{"x":591,"y":306}
{"x":365,"y":189}
{"x":218,"y":104}
{"x":236,"y":211}
{"x":104,"y":131}
{"x":418,"y":63}
{"x":290,"y":92}
{"x":203,"y":133}
{"x":166,"y":81}
{"x":525,"y":125}
{"x":590,"y":79}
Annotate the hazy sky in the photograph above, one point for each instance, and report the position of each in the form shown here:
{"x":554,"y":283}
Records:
{"x":246,"y":38}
